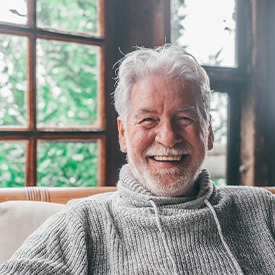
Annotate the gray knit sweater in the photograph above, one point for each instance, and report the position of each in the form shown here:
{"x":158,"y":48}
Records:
{"x":222,"y":231}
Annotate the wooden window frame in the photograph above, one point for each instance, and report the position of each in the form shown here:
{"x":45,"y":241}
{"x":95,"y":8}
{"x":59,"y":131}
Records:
{"x":31,"y":134}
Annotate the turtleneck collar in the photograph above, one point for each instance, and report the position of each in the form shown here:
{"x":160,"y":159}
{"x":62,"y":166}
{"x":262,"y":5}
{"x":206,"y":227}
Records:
{"x":133,"y":192}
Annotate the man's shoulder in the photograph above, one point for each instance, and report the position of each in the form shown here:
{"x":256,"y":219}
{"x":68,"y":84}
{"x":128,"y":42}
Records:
{"x":101,"y":198}
{"x":243,"y":189}
{"x":245,"y":193}
{"x":92,"y":203}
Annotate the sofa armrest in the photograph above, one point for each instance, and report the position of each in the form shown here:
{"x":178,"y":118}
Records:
{"x":51,"y":194}
{"x":18,"y":219}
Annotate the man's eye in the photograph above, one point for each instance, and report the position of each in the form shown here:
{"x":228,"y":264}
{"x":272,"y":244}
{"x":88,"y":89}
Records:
{"x":184,"y":120}
{"x":148,"y":121}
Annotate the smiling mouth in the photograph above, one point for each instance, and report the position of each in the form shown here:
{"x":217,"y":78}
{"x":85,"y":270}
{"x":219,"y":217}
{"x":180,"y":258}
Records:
{"x":161,"y":158}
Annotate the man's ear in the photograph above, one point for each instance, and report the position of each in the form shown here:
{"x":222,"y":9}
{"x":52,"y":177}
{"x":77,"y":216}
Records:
{"x":210,"y":135}
{"x":121,"y":135}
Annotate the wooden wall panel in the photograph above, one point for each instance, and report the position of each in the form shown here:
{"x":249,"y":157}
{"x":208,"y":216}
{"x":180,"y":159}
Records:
{"x":258,"y":102}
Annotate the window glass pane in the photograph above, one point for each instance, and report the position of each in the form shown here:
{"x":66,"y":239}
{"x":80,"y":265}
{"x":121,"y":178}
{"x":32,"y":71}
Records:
{"x":207,"y":29}
{"x":13,"y":11}
{"x":68,"y":15}
{"x":13,"y":80}
{"x":67,"y":84}
{"x":12,"y":164}
{"x":71,"y":164}
{"x":216,"y":160}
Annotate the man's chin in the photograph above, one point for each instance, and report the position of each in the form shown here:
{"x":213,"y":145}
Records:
{"x":168,"y":190}
{"x":169,"y":185}
{"x":172,"y":182}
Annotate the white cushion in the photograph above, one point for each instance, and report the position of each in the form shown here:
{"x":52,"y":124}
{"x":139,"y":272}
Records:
{"x":18,"y":219}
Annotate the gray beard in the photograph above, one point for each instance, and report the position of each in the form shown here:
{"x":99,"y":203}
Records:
{"x":174,"y":182}
{"x":182,"y":180}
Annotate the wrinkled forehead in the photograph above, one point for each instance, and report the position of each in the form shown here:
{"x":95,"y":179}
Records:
{"x":155,"y":81}
{"x":154,"y":91}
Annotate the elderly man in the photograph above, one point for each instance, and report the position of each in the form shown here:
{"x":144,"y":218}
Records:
{"x":166,"y":217}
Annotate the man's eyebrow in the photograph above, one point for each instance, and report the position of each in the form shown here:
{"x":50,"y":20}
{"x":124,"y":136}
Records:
{"x":187,"y":109}
{"x":144,"y":111}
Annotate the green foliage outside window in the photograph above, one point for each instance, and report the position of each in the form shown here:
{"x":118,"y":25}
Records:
{"x":66,"y":94}
{"x":13,"y":80}
{"x":66,"y":84}
{"x":68,"y":15}
{"x":71,"y":164}
{"x":12,"y":164}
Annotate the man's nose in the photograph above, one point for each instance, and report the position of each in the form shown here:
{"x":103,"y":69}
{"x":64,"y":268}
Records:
{"x":168,"y":135}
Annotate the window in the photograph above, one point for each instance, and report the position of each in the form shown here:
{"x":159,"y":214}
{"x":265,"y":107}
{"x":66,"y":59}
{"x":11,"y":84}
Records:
{"x":206,"y":29}
{"x":216,"y":160}
{"x":52,"y":127}
{"x":209,"y":30}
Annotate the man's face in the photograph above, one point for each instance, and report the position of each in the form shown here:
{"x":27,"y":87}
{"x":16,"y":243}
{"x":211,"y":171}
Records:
{"x":165,"y":135}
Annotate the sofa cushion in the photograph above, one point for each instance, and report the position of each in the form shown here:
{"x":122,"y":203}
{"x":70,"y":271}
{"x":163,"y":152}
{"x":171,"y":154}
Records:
{"x":18,"y":219}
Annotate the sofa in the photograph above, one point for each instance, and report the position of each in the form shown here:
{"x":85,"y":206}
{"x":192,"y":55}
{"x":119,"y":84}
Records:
{"x":22,"y":210}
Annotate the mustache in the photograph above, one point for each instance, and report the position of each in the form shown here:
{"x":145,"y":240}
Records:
{"x":160,"y":150}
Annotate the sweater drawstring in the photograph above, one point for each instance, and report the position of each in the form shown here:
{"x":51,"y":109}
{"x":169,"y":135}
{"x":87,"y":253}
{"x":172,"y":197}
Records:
{"x":235,"y":263}
{"x":163,"y":237}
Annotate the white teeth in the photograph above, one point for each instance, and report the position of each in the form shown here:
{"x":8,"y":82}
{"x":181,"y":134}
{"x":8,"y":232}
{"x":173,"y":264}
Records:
{"x":168,"y":158}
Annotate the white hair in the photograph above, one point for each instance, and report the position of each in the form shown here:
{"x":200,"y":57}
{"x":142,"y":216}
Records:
{"x":170,"y":61}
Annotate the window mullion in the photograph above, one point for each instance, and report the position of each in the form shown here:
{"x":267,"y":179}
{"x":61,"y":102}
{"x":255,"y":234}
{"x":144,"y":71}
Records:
{"x":32,"y":13}
{"x":31,"y":157}
{"x":31,"y":162}
{"x":31,"y":107}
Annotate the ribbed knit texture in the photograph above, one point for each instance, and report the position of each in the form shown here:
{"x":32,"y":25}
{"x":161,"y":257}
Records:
{"x":226,"y":231}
